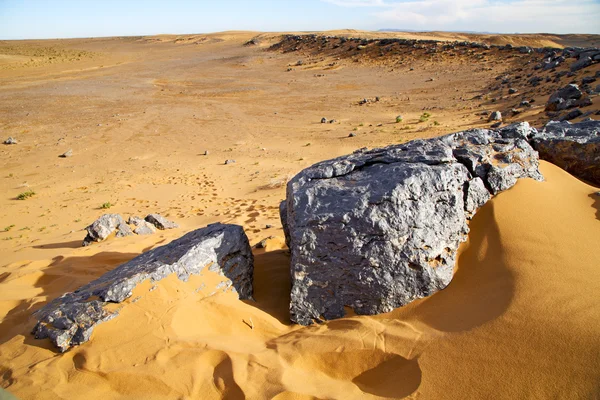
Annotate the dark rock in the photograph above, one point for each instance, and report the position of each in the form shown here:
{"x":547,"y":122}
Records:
{"x":351,"y":134}
{"x":323,"y":120}
{"x":377,"y":229}
{"x":573,"y":147}
{"x":160,"y":222}
{"x":572,"y":115}
{"x":70,"y":319}
{"x":496,"y":125}
{"x":104,"y":226}
{"x":588,"y":79}
{"x":11,"y":140}
{"x":583,"y":62}
{"x":564,"y":98}
{"x":227,"y":162}
{"x":512,"y":91}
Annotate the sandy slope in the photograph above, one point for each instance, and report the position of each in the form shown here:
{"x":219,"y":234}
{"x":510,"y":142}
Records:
{"x":520,"y":319}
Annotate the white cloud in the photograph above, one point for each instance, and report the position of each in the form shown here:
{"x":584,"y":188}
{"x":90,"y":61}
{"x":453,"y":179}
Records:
{"x":357,"y":3}
{"x":558,"y":16}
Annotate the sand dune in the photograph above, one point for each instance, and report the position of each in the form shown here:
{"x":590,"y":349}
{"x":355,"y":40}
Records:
{"x":519,"y":320}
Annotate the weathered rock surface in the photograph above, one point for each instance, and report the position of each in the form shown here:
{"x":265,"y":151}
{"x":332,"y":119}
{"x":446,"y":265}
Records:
{"x":377,"y":229}
{"x":161,"y":222}
{"x":564,"y":98}
{"x":142,"y":227}
{"x":573,"y":147}
{"x":104,"y":226}
{"x":70,"y":319}
{"x":11,"y":140}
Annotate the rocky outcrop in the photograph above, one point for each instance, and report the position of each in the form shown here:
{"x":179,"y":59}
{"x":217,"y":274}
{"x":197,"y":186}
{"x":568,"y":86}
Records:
{"x":573,"y":147}
{"x":377,"y":229}
{"x":69,"y":320}
{"x":104,"y":226}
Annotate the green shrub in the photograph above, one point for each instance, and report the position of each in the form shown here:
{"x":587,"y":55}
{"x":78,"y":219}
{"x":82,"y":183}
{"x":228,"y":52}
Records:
{"x":25,"y":195}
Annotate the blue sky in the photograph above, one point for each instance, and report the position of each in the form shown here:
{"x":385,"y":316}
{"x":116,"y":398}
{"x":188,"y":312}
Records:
{"x":28,"y":19}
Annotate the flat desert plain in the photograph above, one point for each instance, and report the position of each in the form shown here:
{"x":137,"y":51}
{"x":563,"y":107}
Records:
{"x":152,"y":120}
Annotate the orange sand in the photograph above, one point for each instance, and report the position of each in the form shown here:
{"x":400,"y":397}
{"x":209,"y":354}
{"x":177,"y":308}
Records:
{"x":520,"y":320}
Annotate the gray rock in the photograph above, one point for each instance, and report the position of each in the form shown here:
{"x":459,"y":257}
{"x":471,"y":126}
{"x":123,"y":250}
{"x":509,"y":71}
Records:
{"x":68,"y":153}
{"x":160,"y":222}
{"x":582,"y":63}
{"x":227,"y":162}
{"x":104,"y":226}
{"x":573,"y":147}
{"x":495,"y":116}
{"x":512,"y":91}
{"x":351,"y":134}
{"x":323,"y":120}
{"x":564,"y":98}
{"x":377,"y":229}
{"x":11,"y":140}
{"x":142,"y":227}
{"x":70,"y":319}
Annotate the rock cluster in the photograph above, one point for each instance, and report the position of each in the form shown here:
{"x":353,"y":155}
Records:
{"x":104,"y":226}
{"x":378,"y":229}
{"x":70,"y":319}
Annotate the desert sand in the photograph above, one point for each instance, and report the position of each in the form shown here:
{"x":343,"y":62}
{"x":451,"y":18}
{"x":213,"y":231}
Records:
{"x":519,"y":320}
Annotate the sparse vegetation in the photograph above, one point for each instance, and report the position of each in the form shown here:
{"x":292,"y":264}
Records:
{"x":424,"y":117}
{"x":26,"y":195}
{"x":436,"y":123}
{"x":399,"y":119}
{"x":106,"y":206}
{"x":8,"y":228}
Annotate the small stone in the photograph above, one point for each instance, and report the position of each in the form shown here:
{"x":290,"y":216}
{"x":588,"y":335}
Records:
{"x":11,"y":140}
{"x":352,"y":134}
{"x":68,"y":153}
{"x":512,"y":91}
{"x":205,"y":152}
{"x":323,"y":120}
{"x":142,"y":227}
{"x":268,"y":226}
{"x":263,"y":243}
{"x":495,"y":116}
{"x":160,"y":222}
{"x":227,"y":162}
{"x":572,"y":115}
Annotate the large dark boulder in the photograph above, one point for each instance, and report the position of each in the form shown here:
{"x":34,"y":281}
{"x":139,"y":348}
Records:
{"x":377,"y":229}
{"x":564,"y":98}
{"x":573,"y":147}
{"x":69,"y":320}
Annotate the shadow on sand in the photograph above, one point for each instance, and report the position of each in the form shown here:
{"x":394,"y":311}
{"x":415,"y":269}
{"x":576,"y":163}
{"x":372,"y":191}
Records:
{"x":596,"y":205}
{"x":61,"y":276}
